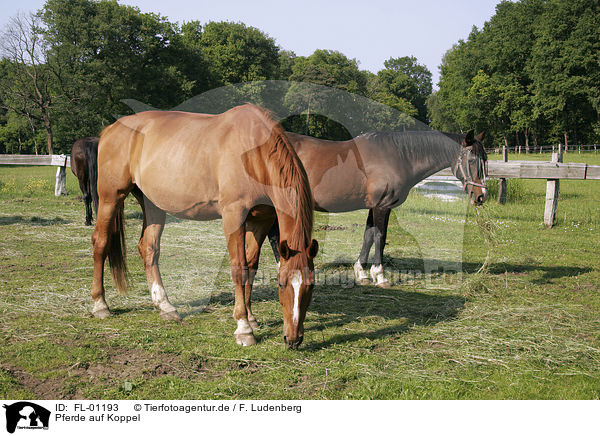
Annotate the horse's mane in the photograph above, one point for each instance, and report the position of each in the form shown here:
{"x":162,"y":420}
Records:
{"x":477,"y":148}
{"x":286,"y":170}
{"x":418,"y":145}
{"x":425,"y":144}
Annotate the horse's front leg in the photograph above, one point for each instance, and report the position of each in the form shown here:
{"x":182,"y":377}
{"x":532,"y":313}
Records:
{"x":239,"y":274}
{"x":380,"y":221}
{"x":256,"y":232}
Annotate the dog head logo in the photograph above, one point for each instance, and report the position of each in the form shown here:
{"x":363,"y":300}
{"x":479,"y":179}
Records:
{"x":26,"y":415}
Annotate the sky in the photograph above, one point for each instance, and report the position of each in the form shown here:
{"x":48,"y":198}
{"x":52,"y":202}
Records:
{"x":370,"y":31}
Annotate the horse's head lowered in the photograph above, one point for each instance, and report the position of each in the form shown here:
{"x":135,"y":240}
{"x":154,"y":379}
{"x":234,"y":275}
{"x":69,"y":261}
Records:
{"x":471,"y":167}
{"x":296,"y":282}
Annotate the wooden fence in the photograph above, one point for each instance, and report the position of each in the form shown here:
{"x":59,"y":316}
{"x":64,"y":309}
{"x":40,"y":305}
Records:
{"x":578,"y":148}
{"x":552,"y":171}
{"x":58,"y":160}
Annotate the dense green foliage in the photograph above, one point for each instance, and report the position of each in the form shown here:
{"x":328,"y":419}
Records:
{"x":95,"y":53}
{"x":531,"y":73}
{"x":529,"y":77}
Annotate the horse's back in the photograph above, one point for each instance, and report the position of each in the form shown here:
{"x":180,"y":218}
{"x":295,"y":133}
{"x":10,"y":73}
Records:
{"x":336,"y":172}
{"x":180,"y":160}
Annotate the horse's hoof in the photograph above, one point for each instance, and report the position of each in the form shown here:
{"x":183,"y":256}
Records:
{"x":253,"y":324}
{"x":245,"y":339}
{"x":173,"y":315}
{"x":364,"y":282}
{"x":101,"y":313}
{"x":385,"y":284}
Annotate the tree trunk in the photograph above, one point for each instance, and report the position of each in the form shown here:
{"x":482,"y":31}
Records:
{"x":48,"y":127}
{"x":566,"y":143}
{"x":35,"y":147}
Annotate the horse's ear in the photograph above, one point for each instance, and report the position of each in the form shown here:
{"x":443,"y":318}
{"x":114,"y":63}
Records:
{"x":469,"y":138}
{"x":284,"y":250}
{"x":312,"y":249}
{"x":480,"y":136}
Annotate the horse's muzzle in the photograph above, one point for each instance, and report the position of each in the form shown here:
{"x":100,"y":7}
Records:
{"x":293,"y":344}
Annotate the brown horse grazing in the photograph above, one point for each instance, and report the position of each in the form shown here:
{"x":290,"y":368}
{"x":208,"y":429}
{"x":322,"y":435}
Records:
{"x":84,"y":165}
{"x":376,"y":171}
{"x":238,"y":166}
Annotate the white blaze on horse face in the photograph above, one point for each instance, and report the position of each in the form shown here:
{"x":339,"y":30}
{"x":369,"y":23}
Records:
{"x":296,"y":282}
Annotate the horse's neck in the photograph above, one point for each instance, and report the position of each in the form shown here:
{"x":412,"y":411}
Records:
{"x":443,"y":155}
{"x":286,"y":225}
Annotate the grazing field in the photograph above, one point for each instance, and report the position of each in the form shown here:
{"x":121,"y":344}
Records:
{"x":526,"y":326}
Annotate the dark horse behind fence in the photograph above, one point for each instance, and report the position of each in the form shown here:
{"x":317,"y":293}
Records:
{"x":239,"y":166}
{"x":376,"y":171}
{"x":84,"y":164}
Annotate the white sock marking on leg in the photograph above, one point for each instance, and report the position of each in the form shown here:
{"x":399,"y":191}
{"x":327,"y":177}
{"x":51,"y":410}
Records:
{"x":159,"y":298}
{"x":377,"y":274}
{"x":359,"y":272}
{"x":243,"y":327}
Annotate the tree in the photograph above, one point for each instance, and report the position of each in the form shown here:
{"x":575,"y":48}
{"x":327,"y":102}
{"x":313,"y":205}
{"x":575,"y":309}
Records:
{"x":25,"y":87}
{"x":404,"y":80}
{"x":101,"y":52}
{"x":532,"y":70}
{"x":237,"y":53}
{"x":330,"y":69}
{"x":565,"y":67}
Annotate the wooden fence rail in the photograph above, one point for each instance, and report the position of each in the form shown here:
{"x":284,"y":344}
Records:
{"x":518,"y":169}
{"x":57,"y":160}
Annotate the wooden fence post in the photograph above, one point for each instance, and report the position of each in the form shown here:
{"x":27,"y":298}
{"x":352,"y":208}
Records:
{"x":552,"y":192}
{"x":61,"y":180}
{"x":502,"y":182}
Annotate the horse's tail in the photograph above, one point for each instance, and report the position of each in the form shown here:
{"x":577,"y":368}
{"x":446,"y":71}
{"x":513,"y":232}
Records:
{"x":116,"y":251}
{"x":91,"y":157}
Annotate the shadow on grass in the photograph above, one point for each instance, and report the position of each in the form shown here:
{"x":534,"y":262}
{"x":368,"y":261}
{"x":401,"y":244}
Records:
{"x":32,"y":221}
{"x":450,"y":267}
{"x":382,"y":312}
{"x":397,"y":309}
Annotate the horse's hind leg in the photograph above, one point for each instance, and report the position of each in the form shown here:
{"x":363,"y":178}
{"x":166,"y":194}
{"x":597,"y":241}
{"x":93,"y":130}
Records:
{"x":381,"y":218}
{"x":87,"y":197}
{"x":363,"y":258}
{"x":149,"y":248}
{"x":256,"y":231}
{"x":101,"y":240}
{"x":274,"y":240}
